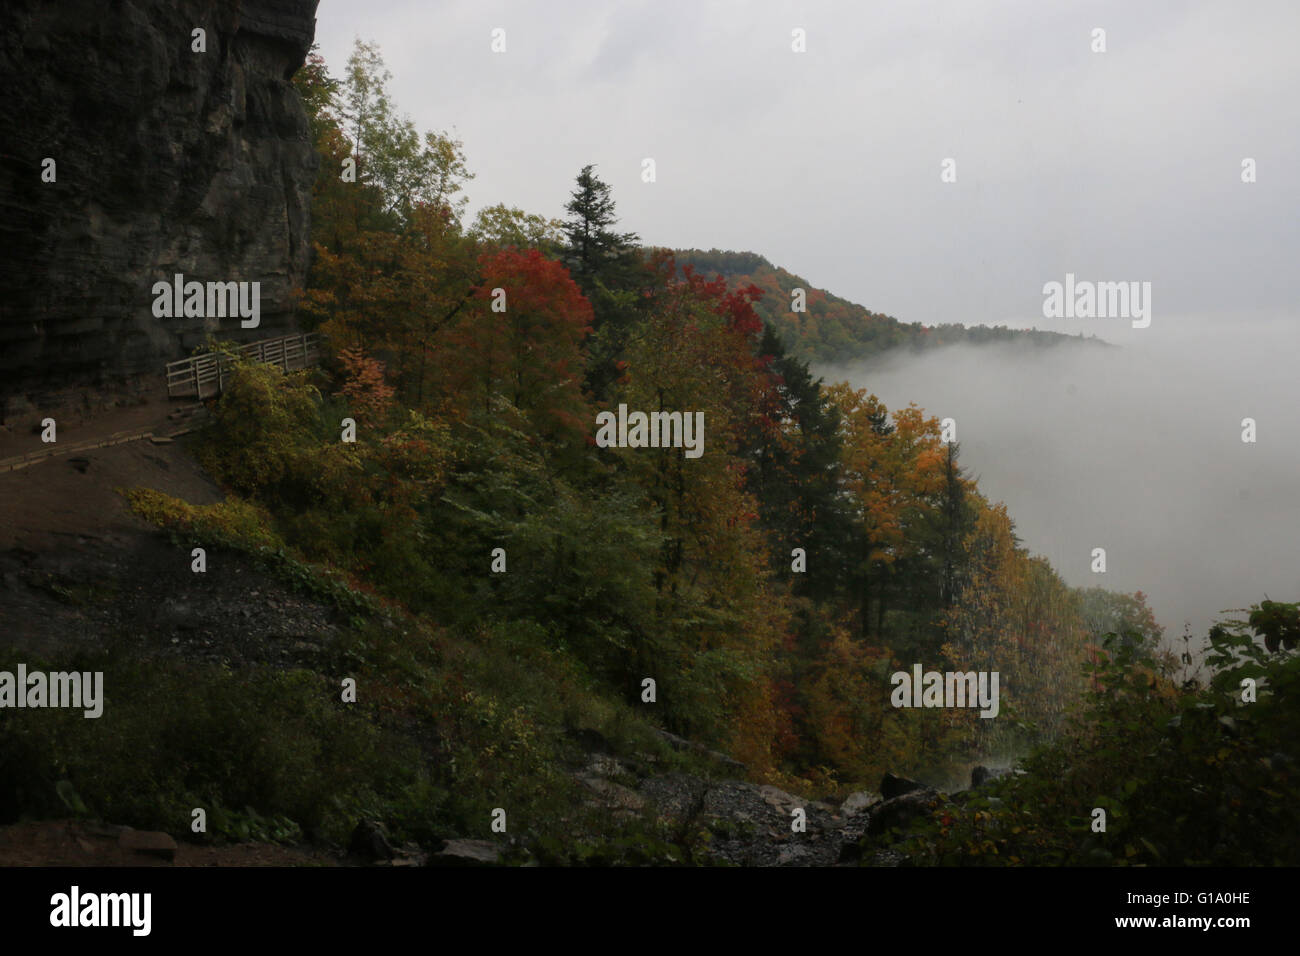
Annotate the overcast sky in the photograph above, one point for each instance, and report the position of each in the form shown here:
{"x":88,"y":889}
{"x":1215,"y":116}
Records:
{"x":1117,"y":165}
{"x":1114,"y":166}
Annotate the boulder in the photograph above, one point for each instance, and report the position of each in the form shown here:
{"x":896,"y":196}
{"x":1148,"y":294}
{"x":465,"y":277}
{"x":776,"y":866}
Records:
{"x":681,"y":743}
{"x":370,"y":842}
{"x":467,"y":853}
{"x":855,"y":803}
{"x":612,"y":794}
{"x":982,"y":775}
{"x":149,"y":843}
{"x":780,"y":800}
{"x":892,"y":786}
{"x":899,"y":812}
{"x":591,"y":740}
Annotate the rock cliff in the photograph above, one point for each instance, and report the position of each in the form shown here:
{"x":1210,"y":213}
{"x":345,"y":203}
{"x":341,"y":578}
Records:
{"x":167,"y":160}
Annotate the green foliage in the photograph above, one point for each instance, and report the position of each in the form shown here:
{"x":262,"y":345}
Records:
{"x":174,"y":737}
{"x":249,"y":825}
{"x":1107,"y":612}
{"x":595,"y":253}
{"x":1277,"y":623}
{"x":241,"y":526}
{"x":319,"y":92}
{"x":263,"y":439}
{"x":634,"y":843}
{"x":1186,"y":775}
{"x":578,"y":559}
{"x":233,"y":523}
{"x":609,"y":268}
{"x":405,"y":169}
{"x":500,"y":226}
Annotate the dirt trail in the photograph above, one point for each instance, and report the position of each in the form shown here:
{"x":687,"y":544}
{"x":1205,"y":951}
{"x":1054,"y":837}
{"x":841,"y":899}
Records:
{"x":153,"y":413}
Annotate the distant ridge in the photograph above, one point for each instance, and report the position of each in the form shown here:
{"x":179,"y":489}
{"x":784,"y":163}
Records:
{"x":835,"y":330}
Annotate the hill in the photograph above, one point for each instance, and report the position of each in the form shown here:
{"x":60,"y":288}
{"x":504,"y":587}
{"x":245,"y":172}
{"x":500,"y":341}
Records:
{"x":834,"y":330}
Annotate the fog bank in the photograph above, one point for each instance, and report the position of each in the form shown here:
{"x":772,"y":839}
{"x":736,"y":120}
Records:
{"x":1136,"y":449}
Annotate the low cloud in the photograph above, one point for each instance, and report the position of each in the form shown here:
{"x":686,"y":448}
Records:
{"x":1136,"y":449}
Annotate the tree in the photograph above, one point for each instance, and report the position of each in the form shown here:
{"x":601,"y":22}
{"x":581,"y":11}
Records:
{"x":520,"y":340}
{"x":717,"y":621}
{"x":580,"y":557}
{"x":390,"y":153}
{"x":1126,"y":615}
{"x":595,"y":252}
{"x":391,"y":267}
{"x":319,"y":92}
{"x":609,"y":269}
{"x":1278,"y":623}
{"x":887,"y":467}
{"x":365,"y":388}
{"x":500,"y":226}
{"x":793,"y":446}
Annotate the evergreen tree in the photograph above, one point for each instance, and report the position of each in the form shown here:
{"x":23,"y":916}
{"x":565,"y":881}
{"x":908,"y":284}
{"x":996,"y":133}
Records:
{"x":595,"y":253}
{"x":607,"y":266}
{"x":793,"y":447}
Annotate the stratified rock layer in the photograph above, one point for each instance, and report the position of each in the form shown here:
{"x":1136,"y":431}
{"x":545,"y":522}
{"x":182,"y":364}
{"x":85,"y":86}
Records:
{"x":168,"y":161}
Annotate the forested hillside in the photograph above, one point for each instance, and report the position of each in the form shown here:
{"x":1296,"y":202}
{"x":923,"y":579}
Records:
{"x":824,"y":329}
{"x":531,"y":584}
{"x":766,"y":587}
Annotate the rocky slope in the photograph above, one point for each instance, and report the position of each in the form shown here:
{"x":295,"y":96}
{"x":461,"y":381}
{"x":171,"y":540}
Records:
{"x":79,"y":570}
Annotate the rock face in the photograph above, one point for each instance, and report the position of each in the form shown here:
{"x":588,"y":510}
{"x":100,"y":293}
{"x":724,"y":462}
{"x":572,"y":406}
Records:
{"x":167,"y":161}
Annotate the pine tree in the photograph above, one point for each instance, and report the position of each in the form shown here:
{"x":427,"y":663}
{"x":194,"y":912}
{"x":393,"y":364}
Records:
{"x":595,"y":253}
{"x":608,"y":267}
{"x":793,"y":447}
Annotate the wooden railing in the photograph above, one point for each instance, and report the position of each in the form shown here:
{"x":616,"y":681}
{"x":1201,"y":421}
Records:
{"x":205,"y":375}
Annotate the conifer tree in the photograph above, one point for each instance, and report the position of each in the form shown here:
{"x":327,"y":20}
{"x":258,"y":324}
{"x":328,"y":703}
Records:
{"x":595,"y":253}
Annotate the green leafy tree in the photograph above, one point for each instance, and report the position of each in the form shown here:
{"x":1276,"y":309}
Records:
{"x":406,"y":168}
{"x":502,"y":226}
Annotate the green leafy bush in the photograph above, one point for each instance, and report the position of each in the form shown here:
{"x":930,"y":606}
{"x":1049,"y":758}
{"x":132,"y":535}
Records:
{"x":1187,"y":775}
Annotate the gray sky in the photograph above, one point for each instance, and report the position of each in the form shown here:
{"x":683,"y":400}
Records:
{"x":1120,"y":165}
{"x":1116,"y":166}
